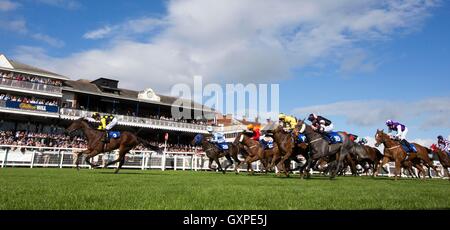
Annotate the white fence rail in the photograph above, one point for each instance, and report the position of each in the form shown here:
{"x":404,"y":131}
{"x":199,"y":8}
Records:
{"x":28,"y":156}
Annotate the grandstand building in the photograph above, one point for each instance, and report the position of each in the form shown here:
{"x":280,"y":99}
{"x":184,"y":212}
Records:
{"x":36,"y":100}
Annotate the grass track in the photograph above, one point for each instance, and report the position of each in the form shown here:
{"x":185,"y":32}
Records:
{"x":24,"y":188}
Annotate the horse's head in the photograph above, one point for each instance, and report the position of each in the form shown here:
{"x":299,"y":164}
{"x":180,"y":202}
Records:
{"x":76,"y":125}
{"x":300,"y":127}
{"x":197,"y":139}
{"x":240,"y":138}
{"x":380,"y":137}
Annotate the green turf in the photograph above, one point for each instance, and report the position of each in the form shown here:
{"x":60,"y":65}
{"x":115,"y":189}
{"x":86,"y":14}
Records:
{"x":23,"y":188}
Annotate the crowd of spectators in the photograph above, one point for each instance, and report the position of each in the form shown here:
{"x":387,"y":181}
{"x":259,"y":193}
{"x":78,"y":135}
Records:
{"x":28,"y":100}
{"x":24,"y":138}
{"x":29,"y":78}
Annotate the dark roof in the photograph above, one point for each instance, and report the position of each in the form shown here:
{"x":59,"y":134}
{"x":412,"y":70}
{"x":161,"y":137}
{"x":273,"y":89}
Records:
{"x":86,"y":86}
{"x":33,"y":70}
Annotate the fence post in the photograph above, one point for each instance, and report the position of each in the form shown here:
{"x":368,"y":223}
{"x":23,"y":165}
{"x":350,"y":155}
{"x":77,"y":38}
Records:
{"x":61,"y":155}
{"x":184,"y":162}
{"x":163,"y":161}
{"x":5,"y":159}
{"x":175,"y":162}
{"x":143,"y":160}
{"x":32,"y":158}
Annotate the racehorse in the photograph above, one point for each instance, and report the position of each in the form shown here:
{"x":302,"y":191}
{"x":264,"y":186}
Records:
{"x":124,"y":143}
{"x":254,"y":150}
{"x":319,"y":147}
{"x":366,"y":154}
{"x":213,"y":152}
{"x":393,"y":151}
{"x":288,"y":150}
{"x":443,"y":158}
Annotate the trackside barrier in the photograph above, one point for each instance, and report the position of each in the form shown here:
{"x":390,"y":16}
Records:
{"x":30,"y":156}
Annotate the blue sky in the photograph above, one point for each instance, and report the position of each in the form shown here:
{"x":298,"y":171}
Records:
{"x":356,"y":62}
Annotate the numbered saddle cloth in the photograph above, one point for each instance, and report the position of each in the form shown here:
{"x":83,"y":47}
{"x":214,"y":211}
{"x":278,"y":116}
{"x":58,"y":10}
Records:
{"x":409,"y":149}
{"x":222,"y":146}
{"x":266,"y":142}
{"x":113,"y":134}
{"x":334,"y":137}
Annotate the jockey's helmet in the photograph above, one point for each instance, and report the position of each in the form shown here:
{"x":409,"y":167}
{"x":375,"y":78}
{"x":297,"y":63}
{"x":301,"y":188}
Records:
{"x":389,"y":122}
{"x":282,"y":116}
{"x":250,"y":127}
{"x":312,"y":117}
{"x":440,"y":137}
{"x":209,"y":129}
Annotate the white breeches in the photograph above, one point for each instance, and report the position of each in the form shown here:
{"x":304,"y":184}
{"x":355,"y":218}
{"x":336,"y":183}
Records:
{"x":111,"y":124}
{"x":402,"y":134}
{"x":327,"y":129}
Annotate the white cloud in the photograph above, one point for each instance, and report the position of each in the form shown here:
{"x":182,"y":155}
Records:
{"x":98,"y":33}
{"x":6,"y":5}
{"x":18,"y":25}
{"x":66,"y":4}
{"x":240,"y":41}
{"x":49,"y":40}
{"x":127,"y":29}
{"x":370,"y":113}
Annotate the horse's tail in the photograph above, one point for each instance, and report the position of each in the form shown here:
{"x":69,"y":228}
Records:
{"x":150,"y":146}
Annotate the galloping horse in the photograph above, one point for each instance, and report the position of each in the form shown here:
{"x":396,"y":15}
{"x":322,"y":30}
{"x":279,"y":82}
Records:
{"x":366,"y":154}
{"x":214,"y":153}
{"x":254,"y":150}
{"x":320,"y":147}
{"x":393,"y":151}
{"x":288,"y":150}
{"x":124,"y":143}
{"x":443,"y":158}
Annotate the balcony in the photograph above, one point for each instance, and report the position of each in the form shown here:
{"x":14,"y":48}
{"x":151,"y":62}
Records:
{"x":73,"y":114}
{"x":26,"y":86}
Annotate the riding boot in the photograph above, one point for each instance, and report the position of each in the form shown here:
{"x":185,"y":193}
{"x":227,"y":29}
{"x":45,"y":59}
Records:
{"x":408,"y":145}
{"x":105,"y":137}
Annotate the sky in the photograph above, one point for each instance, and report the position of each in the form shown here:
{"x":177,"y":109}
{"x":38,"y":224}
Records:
{"x":356,"y":62}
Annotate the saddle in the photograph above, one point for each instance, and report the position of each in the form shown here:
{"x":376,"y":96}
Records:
{"x":333,"y":137}
{"x":222,"y":146}
{"x":266,"y":142}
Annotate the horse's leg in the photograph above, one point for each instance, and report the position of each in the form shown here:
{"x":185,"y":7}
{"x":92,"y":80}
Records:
{"x":89,"y":156}
{"x":79,"y":154}
{"x":230,"y":162}
{"x":219,"y":167}
{"x":210,"y":161}
{"x":397,"y":168}
{"x":122,"y":161}
{"x":380,"y":166}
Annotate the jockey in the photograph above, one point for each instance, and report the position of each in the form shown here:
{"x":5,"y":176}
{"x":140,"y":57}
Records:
{"x":320,"y":124}
{"x":443,"y":144}
{"x":289,"y":122}
{"x":361,"y":140}
{"x":401,"y":130}
{"x":107,"y":122}
{"x":256,"y":132}
{"x":217,"y":137}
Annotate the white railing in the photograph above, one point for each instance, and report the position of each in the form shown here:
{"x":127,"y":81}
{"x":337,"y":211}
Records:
{"x":140,"y":121}
{"x":45,"y":88}
{"x":28,"y":156}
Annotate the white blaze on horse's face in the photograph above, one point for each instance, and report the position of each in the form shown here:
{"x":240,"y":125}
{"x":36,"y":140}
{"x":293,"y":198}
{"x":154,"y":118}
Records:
{"x":242,"y":138}
{"x":303,"y":128}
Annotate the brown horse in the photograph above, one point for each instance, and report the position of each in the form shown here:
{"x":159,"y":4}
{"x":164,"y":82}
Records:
{"x":443,"y":158}
{"x":126,"y":142}
{"x":393,"y":151}
{"x":213,"y":152}
{"x":286,"y":145}
{"x":254,"y":150}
